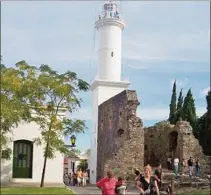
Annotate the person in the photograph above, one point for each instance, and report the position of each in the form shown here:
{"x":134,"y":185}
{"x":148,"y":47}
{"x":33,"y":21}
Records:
{"x":169,"y":163}
{"x":79,"y":177}
{"x":69,"y":178}
{"x":176,"y":166}
{"x":107,"y":184}
{"x":148,"y":185}
{"x":65,"y":178}
{"x":158,"y":175}
{"x":197,"y":167}
{"x":183,"y":164}
{"x":74,"y":179}
{"x":138,"y":175}
{"x":84,"y":178}
{"x":190,"y":166}
{"x":121,"y":187}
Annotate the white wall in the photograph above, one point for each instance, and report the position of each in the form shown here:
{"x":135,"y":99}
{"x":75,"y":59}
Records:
{"x":100,"y":95}
{"x":54,"y":168}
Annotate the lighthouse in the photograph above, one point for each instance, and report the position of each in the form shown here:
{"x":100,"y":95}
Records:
{"x":108,"y":81}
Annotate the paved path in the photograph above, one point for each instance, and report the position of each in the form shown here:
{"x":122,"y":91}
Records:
{"x":91,"y":189}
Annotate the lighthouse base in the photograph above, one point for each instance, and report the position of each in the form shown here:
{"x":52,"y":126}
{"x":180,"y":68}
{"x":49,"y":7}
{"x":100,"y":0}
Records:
{"x":101,"y":92}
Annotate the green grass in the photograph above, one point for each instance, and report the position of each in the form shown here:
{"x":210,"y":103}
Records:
{"x":199,"y":192}
{"x":34,"y":190}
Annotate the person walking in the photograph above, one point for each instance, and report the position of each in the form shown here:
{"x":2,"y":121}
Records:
{"x":158,"y":175}
{"x":176,"y":166}
{"x":79,"y":177}
{"x":69,"y":178}
{"x":121,"y":187}
{"x":147,"y":184}
{"x":190,"y":166}
{"x":107,"y":184}
{"x":84,"y":178}
{"x":197,"y":167}
{"x":183,"y":164}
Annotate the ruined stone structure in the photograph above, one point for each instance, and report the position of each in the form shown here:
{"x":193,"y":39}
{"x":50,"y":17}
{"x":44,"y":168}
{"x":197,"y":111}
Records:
{"x":124,"y":145}
{"x":120,"y":145}
{"x":177,"y":140}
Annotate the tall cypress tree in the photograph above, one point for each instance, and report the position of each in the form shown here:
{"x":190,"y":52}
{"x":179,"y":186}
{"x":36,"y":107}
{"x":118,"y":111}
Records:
{"x":207,"y":130}
{"x":179,"y":106}
{"x":173,"y":105}
{"x":189,"y":109}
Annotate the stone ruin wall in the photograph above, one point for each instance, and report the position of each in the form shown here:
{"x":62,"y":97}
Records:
{"x":120,"y":136}
{"x":158,"y":143}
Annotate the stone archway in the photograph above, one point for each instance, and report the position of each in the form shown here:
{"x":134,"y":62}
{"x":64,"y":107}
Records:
{"x":22,"y":159}
{"x":173,"y":138}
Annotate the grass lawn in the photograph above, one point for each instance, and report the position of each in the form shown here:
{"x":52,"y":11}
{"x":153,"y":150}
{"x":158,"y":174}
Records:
{"x":199,"y":192}
{"x":34,"y":190}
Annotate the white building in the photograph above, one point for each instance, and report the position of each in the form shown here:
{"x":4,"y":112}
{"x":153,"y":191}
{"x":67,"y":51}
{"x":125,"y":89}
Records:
{"x":72,"y":161}
{"x":26,"y":163}
{"x":108,"y":82}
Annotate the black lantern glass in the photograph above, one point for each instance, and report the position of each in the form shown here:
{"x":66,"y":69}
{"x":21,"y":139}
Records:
{"x":73,"y":139}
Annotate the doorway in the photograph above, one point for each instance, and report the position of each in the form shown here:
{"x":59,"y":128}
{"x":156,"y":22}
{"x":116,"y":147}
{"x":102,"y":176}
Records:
{"x":173,"y":137}
{"x":22,"y":159}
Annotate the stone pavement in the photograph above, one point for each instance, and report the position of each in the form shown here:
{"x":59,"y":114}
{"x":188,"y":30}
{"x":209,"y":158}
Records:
{"x":92,"y":189}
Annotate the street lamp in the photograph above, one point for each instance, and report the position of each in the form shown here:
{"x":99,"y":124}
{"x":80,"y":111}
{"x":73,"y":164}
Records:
{"x":73,"y":139}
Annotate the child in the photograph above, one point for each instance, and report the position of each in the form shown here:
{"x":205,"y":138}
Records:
{"x":121,"y":187}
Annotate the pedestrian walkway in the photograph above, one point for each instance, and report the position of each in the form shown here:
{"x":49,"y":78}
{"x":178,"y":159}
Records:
{"x":92,"y":189}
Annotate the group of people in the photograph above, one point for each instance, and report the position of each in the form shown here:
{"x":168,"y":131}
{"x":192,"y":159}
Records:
{"x":78,"y":178}
{"x":148,"y":184}
{"x":183,"y":166}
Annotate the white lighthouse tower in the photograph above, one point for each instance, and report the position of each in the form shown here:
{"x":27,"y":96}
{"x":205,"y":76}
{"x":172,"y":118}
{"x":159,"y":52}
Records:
{"x":107,"y":82}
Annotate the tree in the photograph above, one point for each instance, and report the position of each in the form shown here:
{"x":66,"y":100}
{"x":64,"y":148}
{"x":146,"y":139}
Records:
{"x":15,"y":90}
{"x":205,"y":130}
{"x":179,"y":107}
{"x":54,"y":93}
{"x":208,"y":116}
{"x":83,"y":165}
{"x":173,"y":105}
{"x":189,"y":109}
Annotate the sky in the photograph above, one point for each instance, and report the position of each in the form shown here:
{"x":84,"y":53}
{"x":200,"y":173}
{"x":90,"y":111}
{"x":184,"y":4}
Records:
{"x":163,"y":41}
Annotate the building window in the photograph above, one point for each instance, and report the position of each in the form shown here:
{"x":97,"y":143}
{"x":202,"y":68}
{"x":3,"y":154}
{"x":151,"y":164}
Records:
{"x":120,"y":132}
{"x":112,"y":54}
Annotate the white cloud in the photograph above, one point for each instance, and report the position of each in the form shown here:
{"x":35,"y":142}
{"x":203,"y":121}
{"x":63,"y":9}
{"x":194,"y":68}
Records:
{"x":180,"y":83}
{"x":144,"y":113}
{"x":160,"y":113}
{"x":204,"y":92}
{"x":84,"y":113}
{"x":167,"y":46}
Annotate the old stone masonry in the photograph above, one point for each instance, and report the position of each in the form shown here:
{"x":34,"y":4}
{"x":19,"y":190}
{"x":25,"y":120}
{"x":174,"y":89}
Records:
{"x":124,"y":145}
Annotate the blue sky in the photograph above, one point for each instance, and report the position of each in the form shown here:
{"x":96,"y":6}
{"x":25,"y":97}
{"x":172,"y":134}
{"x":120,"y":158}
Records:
{"x":162,"y":41}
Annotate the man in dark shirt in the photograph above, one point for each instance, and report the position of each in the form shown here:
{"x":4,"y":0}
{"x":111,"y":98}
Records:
{"x":190,"y":166}
{"x":158,"y":175}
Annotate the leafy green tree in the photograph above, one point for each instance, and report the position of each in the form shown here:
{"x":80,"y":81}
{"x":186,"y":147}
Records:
{"x":83,"y":165}
{"x":50,"y":94}
{"x":205,"y":132}
{"x":173,"y":105}
{"x":179,"y":106}
{"x":15,"y":90}
{"x":189,"y":109}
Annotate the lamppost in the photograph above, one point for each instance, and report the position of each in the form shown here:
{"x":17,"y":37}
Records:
{"x":72,"y":140}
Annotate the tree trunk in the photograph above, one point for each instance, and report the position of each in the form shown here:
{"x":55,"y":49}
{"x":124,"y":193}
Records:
{"x":44,"y":165}
{"x":46,"y":149}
